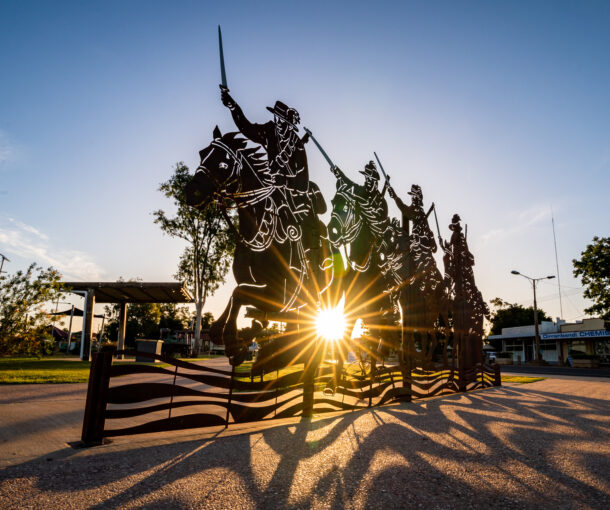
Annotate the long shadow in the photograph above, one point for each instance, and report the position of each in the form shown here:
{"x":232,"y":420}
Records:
{"x":491,"y":448}
{"x":17,"y":393}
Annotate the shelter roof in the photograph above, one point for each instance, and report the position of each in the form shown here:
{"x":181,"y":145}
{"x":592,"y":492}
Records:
{"x":77,"y":312}
{"x":135,"y":292}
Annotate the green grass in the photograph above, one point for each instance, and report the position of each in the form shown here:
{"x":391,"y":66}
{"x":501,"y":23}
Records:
{"x":42,"y":371}
{"x":242,"y":372}
{"x":58,"y":370}
{"x":520,"y":379}
{"x":52,"y":370}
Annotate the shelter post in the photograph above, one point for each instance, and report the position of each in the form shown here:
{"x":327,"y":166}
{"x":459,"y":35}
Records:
{"x":88,"y":325}
{"x":70,"y":330}
{"x":122,"y":328}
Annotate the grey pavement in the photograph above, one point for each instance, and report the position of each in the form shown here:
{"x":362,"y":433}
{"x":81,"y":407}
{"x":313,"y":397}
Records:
{"x":540,"y":445}
{"x":554,"y":370}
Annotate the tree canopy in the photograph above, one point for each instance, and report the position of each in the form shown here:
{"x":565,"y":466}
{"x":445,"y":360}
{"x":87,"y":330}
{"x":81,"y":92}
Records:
{"x":593,"y":267}
{"x":23,"y":322}
{"x":509,"y":315}
{"x":145,"y":320}
{"x":207,"y":257}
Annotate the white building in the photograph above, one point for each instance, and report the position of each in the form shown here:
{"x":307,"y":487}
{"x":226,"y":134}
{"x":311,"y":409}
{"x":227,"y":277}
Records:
{"x":558,"y":340}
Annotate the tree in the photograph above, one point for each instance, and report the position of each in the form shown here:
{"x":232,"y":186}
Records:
{"x":145,"y":320}
{"x":22,"y":319}
{"x":206,"y":320}
{"x":594,"y":271}
{"x":207,"y":257}
{"x":174,"y":317}
{"x":510,"y":315}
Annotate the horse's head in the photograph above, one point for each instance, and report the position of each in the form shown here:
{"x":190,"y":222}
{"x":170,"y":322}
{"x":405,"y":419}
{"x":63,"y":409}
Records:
{"x":219,"y":168}
{"x":343,"y":217}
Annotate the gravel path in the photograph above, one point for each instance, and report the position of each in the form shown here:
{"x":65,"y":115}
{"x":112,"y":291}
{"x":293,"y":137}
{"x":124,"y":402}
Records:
{"x":541,"y":445}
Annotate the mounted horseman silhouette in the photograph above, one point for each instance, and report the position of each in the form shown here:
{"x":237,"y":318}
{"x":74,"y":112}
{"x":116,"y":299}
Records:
{"x":282,"y":258}
{"x":375,"y":268}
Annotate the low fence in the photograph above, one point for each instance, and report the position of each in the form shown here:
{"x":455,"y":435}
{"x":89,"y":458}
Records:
{"x":183,"y":395}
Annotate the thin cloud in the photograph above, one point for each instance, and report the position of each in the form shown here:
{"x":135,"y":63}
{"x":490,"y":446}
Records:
{"x":26,"y":241}
{"x":7,"y":149}
{"x":523,"y":221}
{"x":31,"y":230}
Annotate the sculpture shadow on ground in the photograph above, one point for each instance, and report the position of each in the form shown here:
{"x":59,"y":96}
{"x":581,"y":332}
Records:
{"x":501,"y":445}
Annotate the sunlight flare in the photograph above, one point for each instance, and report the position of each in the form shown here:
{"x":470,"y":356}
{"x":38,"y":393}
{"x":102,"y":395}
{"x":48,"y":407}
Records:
{"x":330,"y":323}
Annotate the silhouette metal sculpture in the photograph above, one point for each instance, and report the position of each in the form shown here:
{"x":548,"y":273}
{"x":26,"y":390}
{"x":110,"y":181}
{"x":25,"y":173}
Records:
{"x":271,"y":264}
{"x":375,"y":267}
{"x":424,"y":298}
{"x":288,"y":265}
{"x":468,"y":309}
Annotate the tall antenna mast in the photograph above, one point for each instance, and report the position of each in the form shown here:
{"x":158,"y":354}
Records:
{"x":557,"y":263}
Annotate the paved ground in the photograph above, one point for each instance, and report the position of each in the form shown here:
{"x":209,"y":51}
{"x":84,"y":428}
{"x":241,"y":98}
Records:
{"x":554,"y":370}
{"x":541,"y":445}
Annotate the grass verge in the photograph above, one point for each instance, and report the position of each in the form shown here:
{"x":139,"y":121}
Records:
{"x":59,"y":370}
{"x":521,"y":379}
{"x":42,"y":371}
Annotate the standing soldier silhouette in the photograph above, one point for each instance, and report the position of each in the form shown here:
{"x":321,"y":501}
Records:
{"x":423,"y":297}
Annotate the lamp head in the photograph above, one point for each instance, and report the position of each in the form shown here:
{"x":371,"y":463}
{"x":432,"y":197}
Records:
{"x":515,"y":272}
{"x":550,"y":277}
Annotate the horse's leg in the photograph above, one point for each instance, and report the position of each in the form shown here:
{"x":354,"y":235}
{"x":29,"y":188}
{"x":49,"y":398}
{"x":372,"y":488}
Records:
{"x":217,"y":327}
{"x":242,"y":295}
{"x":445,"y":320}
{"x":340,"y":348}
{"x":229,"y":330}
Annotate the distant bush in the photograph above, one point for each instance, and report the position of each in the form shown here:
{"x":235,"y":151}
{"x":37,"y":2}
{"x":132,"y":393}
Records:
{"x":35,"y":342}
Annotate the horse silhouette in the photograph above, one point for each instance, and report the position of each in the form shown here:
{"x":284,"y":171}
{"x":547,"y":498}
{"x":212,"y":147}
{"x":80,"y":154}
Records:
{"x":371,"y":279}
{"x":273,"y":270}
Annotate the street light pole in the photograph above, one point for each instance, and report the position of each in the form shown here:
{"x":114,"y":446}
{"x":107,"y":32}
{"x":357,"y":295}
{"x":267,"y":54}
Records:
{"x":536,"y":327}
{"x":2,"y":262}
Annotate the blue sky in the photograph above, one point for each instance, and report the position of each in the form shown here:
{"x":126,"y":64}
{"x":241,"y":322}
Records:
{"x":500,"y":111}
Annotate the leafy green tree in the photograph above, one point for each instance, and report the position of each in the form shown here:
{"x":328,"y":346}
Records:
{"x":142,"y":322}
{"x":210,"y":244}
{"x":594,"y":271}
{"x":509,"y":315}
{"x":23,"y":322}
{"x":206,"y":320}
{"x":145,"y":320}
{"x":174,"y":317}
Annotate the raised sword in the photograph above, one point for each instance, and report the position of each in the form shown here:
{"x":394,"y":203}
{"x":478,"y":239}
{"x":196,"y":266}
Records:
{"x":332,"y":165}
{"x":387,"y":179}
{"x":381,"y":167}
{"x":440,"y":239}
{"x":223,"y":74}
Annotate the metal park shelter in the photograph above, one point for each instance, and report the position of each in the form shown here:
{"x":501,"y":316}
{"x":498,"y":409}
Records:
{"x":122,"y":293}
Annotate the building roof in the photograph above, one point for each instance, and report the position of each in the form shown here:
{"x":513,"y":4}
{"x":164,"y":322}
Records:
{"x":75,"y":312}
{"x":526,"y":331}
{"x":588,"y":328}
{"x":135,"y":292}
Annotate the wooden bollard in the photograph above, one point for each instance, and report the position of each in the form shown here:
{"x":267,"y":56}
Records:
{"x":497,"y":375}
{"x":97,"y":394}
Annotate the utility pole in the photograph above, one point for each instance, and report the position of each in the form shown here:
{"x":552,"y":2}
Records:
{"x":536,"y":328}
